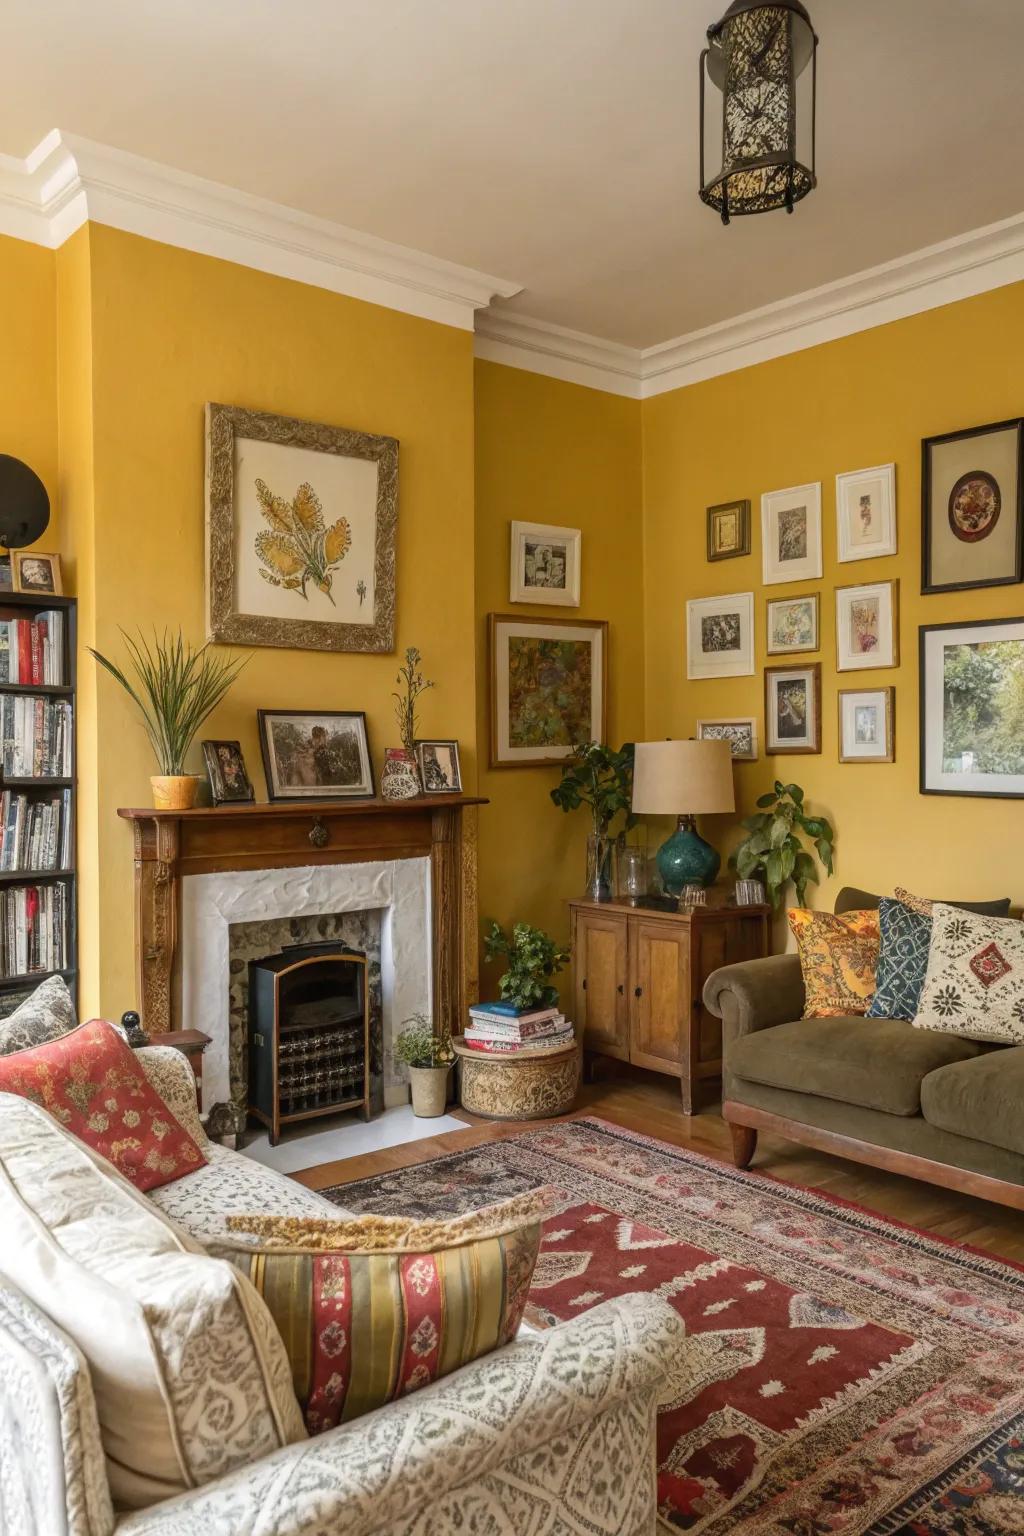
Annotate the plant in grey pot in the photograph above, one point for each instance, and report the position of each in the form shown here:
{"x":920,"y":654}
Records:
{"x":601,"y":778}
{"x":429,"y":1057}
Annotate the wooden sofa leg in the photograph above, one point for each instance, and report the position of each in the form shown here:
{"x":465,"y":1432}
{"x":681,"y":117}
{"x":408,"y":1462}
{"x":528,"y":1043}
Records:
{"x":744,"y":1145}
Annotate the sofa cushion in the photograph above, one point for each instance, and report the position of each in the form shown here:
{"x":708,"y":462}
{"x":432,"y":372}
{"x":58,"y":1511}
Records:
{"x":851,"y":898}
{"x":974,"y":984}
{"x":879,"y":1063}
{"x":902,"y":961}
{"x":981,"y":1098}
{"x":838,"y":956}
{"x":47,"y":1014}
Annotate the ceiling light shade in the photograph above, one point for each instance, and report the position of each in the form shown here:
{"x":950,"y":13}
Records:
{"x":758,"y":57}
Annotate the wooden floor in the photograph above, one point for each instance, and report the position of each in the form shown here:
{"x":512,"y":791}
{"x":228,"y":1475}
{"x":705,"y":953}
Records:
{"x":642,"y":1101}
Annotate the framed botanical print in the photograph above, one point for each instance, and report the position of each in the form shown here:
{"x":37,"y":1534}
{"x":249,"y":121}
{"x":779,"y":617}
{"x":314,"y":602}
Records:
{"x":793,"y":624}
{"x":301,"y":525}
{"x":866,"y":513}
{"x":867,"y":725}
{"x":972,"y":682}
{"x":728,"y":530}
{"x":792,"y":719}
{"x":741,"y":735}
{"x":316,"y":754}
{"x":227,"y":773}
{"x":791,"y":534}
{"x":972,"y":508}
{"x":545,"y":564}
{"x":438,"y":763}
{"x":548,"y":688}
{"x":867,"y":626}
{"x":720,"y":636}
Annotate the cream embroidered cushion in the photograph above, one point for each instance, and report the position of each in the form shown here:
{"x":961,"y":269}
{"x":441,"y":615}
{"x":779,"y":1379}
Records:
{"x":974,"y":984}
{"x":190,"y":1375}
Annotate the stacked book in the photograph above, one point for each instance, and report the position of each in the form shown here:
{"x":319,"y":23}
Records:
{"x":36,"y":736}
{"x":32,"y":650}
{"x":34,"y":929}
{"x":501,"y":1029}
{"x":35,"y":834}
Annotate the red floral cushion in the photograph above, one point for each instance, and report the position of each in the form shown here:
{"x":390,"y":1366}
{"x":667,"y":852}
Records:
{"x":91,"y":1081}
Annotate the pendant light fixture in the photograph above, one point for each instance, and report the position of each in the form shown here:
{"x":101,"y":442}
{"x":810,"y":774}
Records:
{"x":756,"y":56}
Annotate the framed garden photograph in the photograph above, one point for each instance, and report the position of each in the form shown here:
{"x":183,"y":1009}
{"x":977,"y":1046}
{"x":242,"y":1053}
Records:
{"x":548,"y":687}
{"x":316,"y":754}
{"x":741,"y":734}
{"x":301,"y":524}
{"x":867,"y":718}
{"x":720,"y":636}
{"x":866,"y":513}
{"x":227,"y":773}
{"x":545,"y":564}
{"x":728,"y":530}
{"x":972,"y":684}
{"x":793,"y":624}
{"x":971,"y":493}
{"x":867,"y":626}
{"x":438,"y":762}
{"x":792,"y":721}
{"x":791,"y":534}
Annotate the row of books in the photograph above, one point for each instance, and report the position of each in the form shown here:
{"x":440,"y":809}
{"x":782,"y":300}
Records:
{"x":35,"y":834}
{"x":33,"y":650}
{"x":36,"y":735}
{"x":501,"y":1029}
{"x":34,"y":923}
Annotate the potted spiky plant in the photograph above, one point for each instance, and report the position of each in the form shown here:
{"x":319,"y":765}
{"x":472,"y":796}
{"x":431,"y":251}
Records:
{"x":176,"y":687}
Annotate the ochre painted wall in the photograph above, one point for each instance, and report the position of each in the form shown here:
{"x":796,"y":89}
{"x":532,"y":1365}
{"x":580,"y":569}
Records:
{"x":28,"y":365}
{"x":864,"y":400}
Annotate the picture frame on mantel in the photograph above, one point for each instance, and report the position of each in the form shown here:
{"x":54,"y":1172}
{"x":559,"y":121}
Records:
{"x":301,"y":530}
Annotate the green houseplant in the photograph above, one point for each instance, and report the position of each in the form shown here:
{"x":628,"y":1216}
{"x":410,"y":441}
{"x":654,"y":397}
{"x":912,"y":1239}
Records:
{"x":773,"y":850}
{"x":601,"y":778}
{"x":533,"y":958}
{"x":400,"y":779}
{"x":428,"y":1057}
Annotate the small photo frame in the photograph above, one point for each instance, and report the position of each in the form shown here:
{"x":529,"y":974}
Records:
{"x":793,"y":624}
{"x":226,"y":771}
{"x":438,"y":762}
{"x":867,"y":626}
{"x":741,"y":734}
{"x":316,"y":754}
{"x":972,"y":508}
{"x":36,"y":573}
{"x":728,"y":530}
{"x":720,"y":636}
{"x":791,"y":534}
{"x":545,"y":564}
{"x":792,"y":709}
{"x":867,"y":725}
{"x":866,"y":513}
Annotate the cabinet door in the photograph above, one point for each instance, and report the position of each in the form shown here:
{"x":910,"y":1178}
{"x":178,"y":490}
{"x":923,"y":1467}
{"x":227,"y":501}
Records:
{"x":659,"y":957}
{"x":599,"y":960}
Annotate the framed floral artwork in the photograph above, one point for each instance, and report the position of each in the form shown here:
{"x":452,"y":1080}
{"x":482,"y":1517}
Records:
{"x":792,"y":709}
{"x":728,"y":530}
{"x":972,"y":681}
{"x":866,"y":513}
{"x":972,"y":508}
{"x":720,"y":636}
{"x":791,"y":534}
{"x":545,"y":564}
{"x":867,"y":626}
{"x":793,"y":624}
{"x":548,"y":688}
{"x":867,"y":718}
{"x":741,"y":735}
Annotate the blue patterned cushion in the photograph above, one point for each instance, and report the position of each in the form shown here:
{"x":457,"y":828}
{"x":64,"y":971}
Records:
{"x":902,"y":961}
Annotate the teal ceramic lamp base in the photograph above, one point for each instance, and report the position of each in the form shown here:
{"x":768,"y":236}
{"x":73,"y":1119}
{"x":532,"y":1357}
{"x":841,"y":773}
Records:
{"x":686,"y":859}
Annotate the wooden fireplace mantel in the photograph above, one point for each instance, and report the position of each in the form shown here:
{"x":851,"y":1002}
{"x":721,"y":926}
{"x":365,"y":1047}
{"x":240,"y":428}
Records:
{"x":293,"y":834}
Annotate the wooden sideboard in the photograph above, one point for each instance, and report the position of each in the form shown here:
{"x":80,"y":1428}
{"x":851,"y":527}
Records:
{"x":638,"y":975}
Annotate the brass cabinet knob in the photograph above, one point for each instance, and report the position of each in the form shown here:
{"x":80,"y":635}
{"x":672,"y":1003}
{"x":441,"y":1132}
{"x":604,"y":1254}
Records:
{"x":318,"y":834}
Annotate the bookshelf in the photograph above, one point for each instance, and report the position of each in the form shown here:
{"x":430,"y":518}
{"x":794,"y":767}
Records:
{"x":35,"y":789}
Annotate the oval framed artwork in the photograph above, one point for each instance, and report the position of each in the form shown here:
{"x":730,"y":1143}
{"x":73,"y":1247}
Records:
{"x":975,"y":503}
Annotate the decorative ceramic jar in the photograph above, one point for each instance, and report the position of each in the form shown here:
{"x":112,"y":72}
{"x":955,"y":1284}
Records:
{"x":525,"y":1085}
{"x":174,"y":791}
{"x":400,"y":778}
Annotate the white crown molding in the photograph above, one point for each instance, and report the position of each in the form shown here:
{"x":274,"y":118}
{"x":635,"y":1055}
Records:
{"x":67,"y":180}
{"x":504,"y":336}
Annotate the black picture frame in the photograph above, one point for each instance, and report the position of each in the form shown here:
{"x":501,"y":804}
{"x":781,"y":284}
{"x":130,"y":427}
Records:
{"x":924,"y":788}
{"x":928,"y":444}
{"x":314,"y":793}
{"x":222,"y":792}
{"x":422,"y":763}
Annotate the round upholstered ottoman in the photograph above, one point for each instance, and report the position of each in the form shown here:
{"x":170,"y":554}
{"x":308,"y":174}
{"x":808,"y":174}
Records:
{"x":529,"y":1085}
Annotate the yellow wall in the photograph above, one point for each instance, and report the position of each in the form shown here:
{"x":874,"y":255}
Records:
{"x":864,"y":400}
{"x":28,"y":365}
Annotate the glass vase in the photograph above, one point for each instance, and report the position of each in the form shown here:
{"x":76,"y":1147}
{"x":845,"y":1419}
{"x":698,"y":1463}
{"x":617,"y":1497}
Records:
{"x":600,"y":867}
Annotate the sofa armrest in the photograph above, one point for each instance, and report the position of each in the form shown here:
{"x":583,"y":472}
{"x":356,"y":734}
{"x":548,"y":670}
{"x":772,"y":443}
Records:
{"x":170,"y":1073}
{"x":756,"y":994}
{"x":531,"y":1403}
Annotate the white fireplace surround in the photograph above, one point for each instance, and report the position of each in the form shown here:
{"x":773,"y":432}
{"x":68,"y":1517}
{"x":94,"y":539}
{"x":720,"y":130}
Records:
{"x":211,"y":904}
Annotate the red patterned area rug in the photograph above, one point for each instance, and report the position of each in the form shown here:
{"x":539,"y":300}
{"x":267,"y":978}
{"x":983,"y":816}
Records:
{"x":850,"y":1375}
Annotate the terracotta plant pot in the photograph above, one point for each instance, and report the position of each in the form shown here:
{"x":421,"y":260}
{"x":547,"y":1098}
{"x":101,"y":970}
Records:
{"x":174,"y":791}
{"x":429,"y":1091}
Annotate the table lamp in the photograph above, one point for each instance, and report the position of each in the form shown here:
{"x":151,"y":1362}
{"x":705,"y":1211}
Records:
{"x":684,"y":779}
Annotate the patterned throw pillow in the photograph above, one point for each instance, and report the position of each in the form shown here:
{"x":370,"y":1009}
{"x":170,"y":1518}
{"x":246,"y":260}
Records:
{"x":838,"y":956}
{"x":372,"y":1308}
{"x":90,"y":1081}
{"x":974,"y":985}
{"x":919,"y":904}
{"x":46,"y":1015}
{"x":902,"y":960}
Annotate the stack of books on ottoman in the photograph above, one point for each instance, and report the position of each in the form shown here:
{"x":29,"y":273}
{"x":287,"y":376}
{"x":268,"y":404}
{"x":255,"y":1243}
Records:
{"x":501,"y":1029}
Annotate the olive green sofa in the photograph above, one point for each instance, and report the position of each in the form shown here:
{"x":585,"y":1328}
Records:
{"x":879,"y":1091}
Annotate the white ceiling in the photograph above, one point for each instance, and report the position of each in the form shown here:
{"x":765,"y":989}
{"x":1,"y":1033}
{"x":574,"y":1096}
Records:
{"x":550,"y":141}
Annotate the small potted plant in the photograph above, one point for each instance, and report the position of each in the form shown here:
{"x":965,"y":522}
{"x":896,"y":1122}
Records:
{"x":429,"y":1057}
{"x":601,"y":778}
{"x":400,"y":778}
{"x":533,"y":958}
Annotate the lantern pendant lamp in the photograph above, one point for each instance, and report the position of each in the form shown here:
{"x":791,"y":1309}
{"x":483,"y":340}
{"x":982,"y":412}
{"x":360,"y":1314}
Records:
{"x":763,"y":59}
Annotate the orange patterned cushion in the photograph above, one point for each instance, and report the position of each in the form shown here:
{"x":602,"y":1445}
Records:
{"x":838,"y":957}
{"x":91,"y":1082}
{"x":919,"y":904}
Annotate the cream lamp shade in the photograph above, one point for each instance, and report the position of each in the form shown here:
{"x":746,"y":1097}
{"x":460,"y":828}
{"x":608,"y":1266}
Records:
{"x":673,"y":778}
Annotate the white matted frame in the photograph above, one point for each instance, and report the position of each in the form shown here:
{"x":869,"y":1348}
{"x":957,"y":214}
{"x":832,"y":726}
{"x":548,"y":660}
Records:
{"x":740,"y":732}
{"x":867,"y":725}
{"x":791,"y":534}
{"x":867,"y":626}
{"x":953,"y":761}
{"x":720,"y":636}
{"x":545,"y":564}
{"x":866,"y":513}
{"x":548,"y":688}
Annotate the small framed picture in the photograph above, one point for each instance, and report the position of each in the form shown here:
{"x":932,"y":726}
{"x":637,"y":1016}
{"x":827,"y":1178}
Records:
{"x":440,"y":773}
{"x":316,"y":754}
{"x":545,"y":564}
{"x":36,"y":572}
{"x":867,"y":626}
{"x":720,"y":636}
{"x":741,"y":735}
{"x":729,"y":530}
{"x":791,"y":534}
{"x":867,"y":725}
{"x":866,"y":513}
{"x":225,"y":769}
{"x":793,"y":709}
{"x":793,"y":624}
{"x":972,"y":508}
{"x":972,"y":678}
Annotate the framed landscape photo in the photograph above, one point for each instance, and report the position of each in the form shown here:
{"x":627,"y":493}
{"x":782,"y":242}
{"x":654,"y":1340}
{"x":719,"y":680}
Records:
{"x":438,"y":762}
{"x":866,"y":513}
{"x":867,"y":725}
{"x":972,"y":684}
{"x":548,"y":688}
{"x":226,"y":771}
{"x":741,"y":734}
{"x":971,"y":489}
{"x":791,"y":534}
{"x":792,"y":721}
{"x":728,"y":530}
{"x":793,"y":624}
{"x":316,"y":754}
{"x":720,"y":636}
{"x":867,"y":626}
{"x":545,"y":564}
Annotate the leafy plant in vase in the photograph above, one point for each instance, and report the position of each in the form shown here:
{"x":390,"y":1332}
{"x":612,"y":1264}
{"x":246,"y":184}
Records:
{"x":429,"y":1057}
{"x":773,"y":851}
{"x":533,"y":958}
{"x":400,"y":779}
{"x":601,"y":778}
